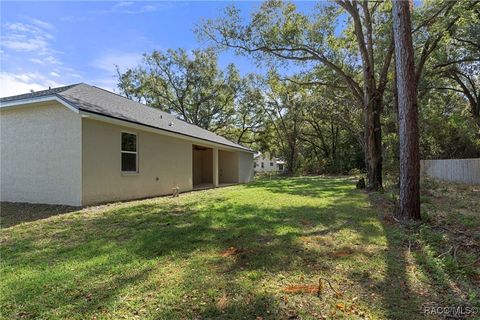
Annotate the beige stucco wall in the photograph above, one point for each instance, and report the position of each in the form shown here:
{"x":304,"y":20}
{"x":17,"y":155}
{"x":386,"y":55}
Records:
{"x":40,"y":152}
{"x":164,"y":162}
{"x":228,"y":166}
{"x":50,"y":154}
{"x":245,"y":167}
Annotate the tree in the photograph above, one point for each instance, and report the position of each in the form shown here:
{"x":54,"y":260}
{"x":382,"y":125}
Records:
{"x":284,"y":107}
{"x":408,"y":112}
{"x":278,"y":31}
{"x":248,"y":119}
{"x":192,"y":87}
{"x":330,"y":119}
{"x":456,"y":67}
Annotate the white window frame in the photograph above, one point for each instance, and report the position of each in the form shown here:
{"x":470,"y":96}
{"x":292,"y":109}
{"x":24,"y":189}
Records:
{"x":131,"y":152}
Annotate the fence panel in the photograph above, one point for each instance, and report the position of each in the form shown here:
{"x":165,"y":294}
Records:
{"x":455,"y":170}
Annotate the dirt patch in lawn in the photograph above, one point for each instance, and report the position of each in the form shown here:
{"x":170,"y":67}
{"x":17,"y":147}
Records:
{"x":234,"y":251}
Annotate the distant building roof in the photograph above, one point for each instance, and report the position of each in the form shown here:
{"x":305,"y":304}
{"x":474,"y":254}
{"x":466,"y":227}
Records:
{"x":84,"y":97}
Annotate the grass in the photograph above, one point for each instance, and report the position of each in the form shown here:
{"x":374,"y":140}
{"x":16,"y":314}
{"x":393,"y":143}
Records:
{"x":253,"y":251}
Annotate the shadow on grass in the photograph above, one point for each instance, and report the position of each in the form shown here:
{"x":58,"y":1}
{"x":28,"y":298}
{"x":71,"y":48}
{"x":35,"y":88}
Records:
{"x":421,"y":270}
{"x":168,"y":260}
{"x":16,"y":213}
{"x":81,"y":265}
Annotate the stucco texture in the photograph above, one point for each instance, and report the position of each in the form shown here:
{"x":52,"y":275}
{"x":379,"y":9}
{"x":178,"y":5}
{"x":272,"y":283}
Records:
{"x":50,"y":154}
{"x":163,"y":163}
{"x":41,"y":155}
{"x":245,"y":167}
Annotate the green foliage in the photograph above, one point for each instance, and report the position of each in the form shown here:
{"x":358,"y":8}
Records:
{"x":190,"y":86}
{"x":446,"y":133}
{"x":315,"y":119}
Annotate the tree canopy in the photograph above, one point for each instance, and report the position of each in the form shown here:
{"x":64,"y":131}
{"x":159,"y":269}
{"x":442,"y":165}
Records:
{"x":337,"y":110}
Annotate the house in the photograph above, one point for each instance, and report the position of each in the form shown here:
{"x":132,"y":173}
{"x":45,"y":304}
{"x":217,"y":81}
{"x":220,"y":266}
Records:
{"x":267,"y":163}
{"x":81,"y":145}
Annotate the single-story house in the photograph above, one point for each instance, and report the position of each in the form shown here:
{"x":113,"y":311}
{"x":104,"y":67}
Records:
{"x":81,"y":145}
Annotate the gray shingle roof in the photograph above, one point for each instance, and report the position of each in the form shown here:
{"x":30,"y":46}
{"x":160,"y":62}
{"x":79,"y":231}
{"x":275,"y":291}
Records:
{"x":99,"y":101}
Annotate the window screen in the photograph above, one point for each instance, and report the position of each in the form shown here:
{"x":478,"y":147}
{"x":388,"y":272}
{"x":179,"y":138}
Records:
{"x":129,"y":152}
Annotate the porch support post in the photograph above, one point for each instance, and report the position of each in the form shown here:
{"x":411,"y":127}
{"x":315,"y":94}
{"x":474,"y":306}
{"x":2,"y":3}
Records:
{"x":215,"y":166}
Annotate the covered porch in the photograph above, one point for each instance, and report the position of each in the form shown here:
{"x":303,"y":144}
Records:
{"x":213,"y":167}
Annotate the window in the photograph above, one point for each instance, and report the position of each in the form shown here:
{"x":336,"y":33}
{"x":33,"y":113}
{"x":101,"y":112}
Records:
{"x":271,"y":164}
{"x":129,"y":152}
{"x":254,"y":164}
{"x":262,"y":165}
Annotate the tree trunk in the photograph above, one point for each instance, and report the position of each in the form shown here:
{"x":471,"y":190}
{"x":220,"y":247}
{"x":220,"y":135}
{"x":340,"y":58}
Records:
{"x":292,"y":159}
{"x":408,"y":112}
{"x":476,"y":112}
{"x":373,"y":145}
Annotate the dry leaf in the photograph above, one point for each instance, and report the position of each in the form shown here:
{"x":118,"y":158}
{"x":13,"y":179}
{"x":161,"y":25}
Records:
{"x":222,"y":302}
{"x":312,"y":289}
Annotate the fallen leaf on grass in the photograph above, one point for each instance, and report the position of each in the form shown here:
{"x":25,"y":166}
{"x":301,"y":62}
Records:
{"x":345,"y":252}
{"x":232,"y":251}
{"x":340,"y":306}
{"x":305,"y":239}
{"x":311,"y":289}
{"x":222,"y":302}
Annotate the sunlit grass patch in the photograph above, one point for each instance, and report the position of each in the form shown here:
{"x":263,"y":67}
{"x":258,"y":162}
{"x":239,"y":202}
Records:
{"x":231,"y":253}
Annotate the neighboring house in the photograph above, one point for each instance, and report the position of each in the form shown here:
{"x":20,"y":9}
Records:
{"x":267,"y":163}
{"x":81,"y":145}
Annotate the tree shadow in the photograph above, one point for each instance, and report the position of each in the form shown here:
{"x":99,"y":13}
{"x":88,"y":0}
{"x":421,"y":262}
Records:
{"x":64,"y":254}
{"x":17,"y":213}
{"x":189,"y":240}
{"x":399,"y":298}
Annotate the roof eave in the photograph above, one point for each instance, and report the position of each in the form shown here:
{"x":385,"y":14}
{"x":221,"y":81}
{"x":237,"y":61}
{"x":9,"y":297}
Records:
{"x":7,"y":105}
{"x":119,"y":121}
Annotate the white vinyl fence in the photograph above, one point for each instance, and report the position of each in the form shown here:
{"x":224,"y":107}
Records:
{"x":456,"y":170}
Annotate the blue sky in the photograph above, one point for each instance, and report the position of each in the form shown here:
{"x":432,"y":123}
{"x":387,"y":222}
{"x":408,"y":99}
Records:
{"x":57,"y":43}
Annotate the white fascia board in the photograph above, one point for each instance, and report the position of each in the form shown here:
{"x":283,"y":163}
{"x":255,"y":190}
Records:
{"x":24,"y":102}
{"x":201,"y":142}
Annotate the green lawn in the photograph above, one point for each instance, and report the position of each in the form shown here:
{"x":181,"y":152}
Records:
{"x":242,"y":252}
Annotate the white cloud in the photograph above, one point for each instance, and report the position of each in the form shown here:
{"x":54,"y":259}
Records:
{"x":40,"y":23}
{"x":142,"y":9}
{"x":49,"y":60}
{"x":108,"y":61}
{"x":107,"y":83}
{"x":106,"y":65}
{"x":130,"y":7}
{"x":54,"y":74}
{"x":24,"y":37}
{"x":12,"y":84}
{"x":124,"y":4}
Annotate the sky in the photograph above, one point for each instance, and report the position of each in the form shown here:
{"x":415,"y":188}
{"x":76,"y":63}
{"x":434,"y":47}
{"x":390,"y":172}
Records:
{"x":57,"y":43}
